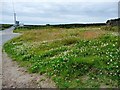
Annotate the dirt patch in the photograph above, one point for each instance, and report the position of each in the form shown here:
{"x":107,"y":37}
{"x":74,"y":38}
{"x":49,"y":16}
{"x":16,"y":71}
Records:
{"x":92,"y":34}
{"x":17,"y":77}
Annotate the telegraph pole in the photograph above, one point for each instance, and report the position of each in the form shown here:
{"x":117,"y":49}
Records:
{"x":15,"y":18}
{"x":14,"y":13}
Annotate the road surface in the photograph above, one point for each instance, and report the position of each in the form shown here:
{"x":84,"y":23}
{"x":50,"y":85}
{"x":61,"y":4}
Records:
{"x":5,"y":35}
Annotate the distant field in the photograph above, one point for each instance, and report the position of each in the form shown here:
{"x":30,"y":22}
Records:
{"x":5,"y":26}
{"x":85,"y":57}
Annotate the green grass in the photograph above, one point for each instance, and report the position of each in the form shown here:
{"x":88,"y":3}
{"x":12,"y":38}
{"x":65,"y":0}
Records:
{"x":72,"y":58}
{"x":111,"y":28}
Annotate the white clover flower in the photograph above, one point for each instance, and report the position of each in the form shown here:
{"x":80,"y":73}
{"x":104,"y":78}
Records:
{"x":111,"y":60}
{"x":75,"y":55}
{"x":110,"y":55}
{"x":108,"y":63}
{"x":115,"y":74}
{"x":113,"y":44}
{"x":65,"y":53}
{"x":52,"y":57}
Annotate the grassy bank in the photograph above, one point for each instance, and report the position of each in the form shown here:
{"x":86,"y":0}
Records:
{"x":72,"y":58}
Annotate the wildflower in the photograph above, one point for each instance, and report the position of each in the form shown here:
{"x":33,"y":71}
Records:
{"x":115,"y":74}
{"x":113,"y":44}
{"x":111,"y":60}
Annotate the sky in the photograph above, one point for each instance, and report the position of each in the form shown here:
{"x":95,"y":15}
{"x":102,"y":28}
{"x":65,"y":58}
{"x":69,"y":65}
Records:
{"x":58,"y":11}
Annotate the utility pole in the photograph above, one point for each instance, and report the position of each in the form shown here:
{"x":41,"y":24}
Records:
{"x":14,"y":18}
{"x":16,"y":23}
{"x":14,"y":13}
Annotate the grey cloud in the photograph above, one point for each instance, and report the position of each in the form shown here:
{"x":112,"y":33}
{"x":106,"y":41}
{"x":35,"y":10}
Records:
{"x":52,"y":12}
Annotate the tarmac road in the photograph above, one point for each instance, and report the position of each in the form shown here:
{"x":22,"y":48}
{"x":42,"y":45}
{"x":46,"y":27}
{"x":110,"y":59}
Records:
{"x":5,"y":35}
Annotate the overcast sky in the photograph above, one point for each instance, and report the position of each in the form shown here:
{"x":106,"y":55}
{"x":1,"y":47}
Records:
{"x":59,"y":11}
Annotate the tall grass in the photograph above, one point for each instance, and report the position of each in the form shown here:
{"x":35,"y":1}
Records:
{"x":111,"y":28}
